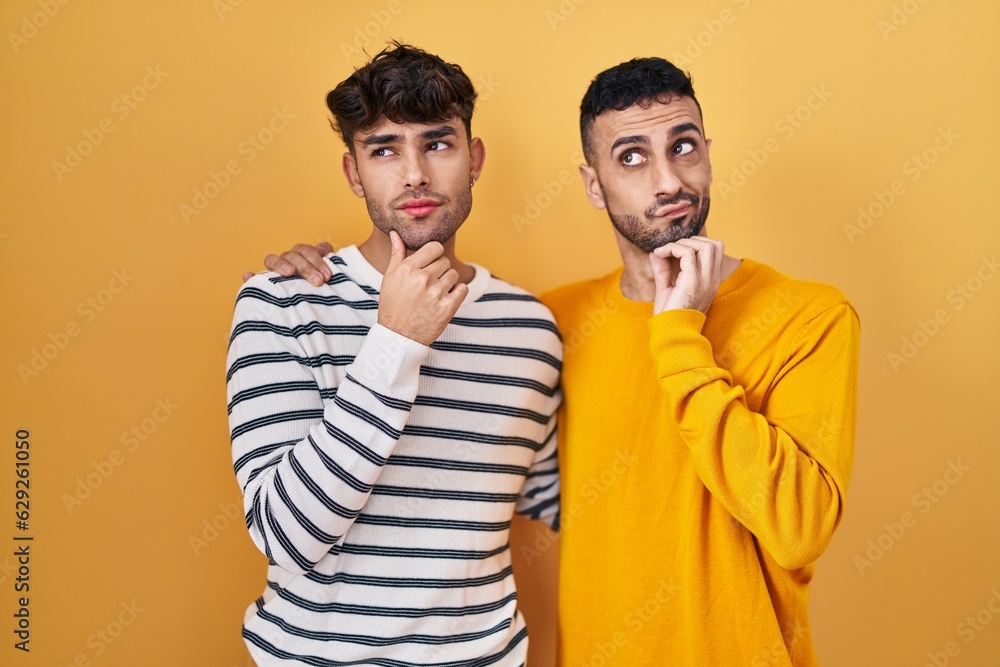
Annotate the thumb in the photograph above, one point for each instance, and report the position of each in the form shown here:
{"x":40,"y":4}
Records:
{"x":398,"y":253}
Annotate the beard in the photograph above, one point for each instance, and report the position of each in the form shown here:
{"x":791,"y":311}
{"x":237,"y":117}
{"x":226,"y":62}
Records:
{"x":417,"y":232}
{"x":646,"y":237}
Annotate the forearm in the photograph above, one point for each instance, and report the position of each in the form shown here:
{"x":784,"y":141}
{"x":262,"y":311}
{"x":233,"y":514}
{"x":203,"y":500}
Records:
{"x":781,"y":472}
{"x":306,"y":469}
{"x":759,"y":473}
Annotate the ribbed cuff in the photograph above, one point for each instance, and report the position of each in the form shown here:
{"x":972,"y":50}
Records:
{"x":676,"y":343}
{"x":389,"y":363}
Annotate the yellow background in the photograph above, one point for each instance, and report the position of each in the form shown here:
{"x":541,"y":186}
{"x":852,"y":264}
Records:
{"x":893,"y":76}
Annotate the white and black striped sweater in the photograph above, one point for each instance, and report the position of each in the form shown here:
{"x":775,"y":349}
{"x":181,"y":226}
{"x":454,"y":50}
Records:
{"x":380,"y":476}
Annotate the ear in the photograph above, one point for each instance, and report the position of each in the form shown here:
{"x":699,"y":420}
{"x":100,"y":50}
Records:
{"x":708,"y":151}
{"x":477,"y":157}
{"x":350,"y":165}
{"x":592,"y":186}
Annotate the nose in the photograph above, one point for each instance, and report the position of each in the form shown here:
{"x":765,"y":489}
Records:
{"x":666,"y":183}
{"x":415,"y":171}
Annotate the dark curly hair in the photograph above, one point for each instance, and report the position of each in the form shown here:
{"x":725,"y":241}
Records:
{"x":404,"y":84}
{"x":639,"y":81}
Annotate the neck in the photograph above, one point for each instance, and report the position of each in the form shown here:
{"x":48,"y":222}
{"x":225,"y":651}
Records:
{"x":637,"y":278}
{"x":377,"y":248}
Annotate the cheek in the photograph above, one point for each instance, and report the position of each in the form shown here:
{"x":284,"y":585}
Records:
{"x":375,"y":182}
{"x":455,"y":174}
{"x":624,"y":193}
{"x":699,"y":177}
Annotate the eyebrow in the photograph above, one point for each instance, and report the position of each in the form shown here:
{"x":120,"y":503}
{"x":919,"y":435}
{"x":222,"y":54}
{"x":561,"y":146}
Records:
{"x":433,"y":133}
{"x":438,"y":132}
{"x":643,"y":139}
{"x":684,"y":127}
{"x":633,"y":139}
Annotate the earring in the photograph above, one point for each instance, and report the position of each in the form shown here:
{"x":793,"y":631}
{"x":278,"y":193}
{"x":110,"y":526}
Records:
{"x":472,"y":182}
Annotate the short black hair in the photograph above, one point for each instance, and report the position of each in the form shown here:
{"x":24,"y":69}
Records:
{"x":641,"y":81}
{"x":404,"y":84}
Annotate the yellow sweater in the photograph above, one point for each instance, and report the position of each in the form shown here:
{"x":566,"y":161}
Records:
{"x":704,"y":463}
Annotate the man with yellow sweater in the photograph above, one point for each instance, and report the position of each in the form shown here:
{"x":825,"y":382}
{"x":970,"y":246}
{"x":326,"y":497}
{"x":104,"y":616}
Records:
{"x":709,"y":407}
{"x":728,"y":387}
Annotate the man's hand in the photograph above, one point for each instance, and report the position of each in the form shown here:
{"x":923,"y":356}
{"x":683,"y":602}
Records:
{"x":304,"y":260}
{"x":686,"y":274}
{"x":420,"y":293}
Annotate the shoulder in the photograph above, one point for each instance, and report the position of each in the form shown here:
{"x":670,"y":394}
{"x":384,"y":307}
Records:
{"x":557,"y":296}
{"x":514,"y":316}
{"x":504,"y":297}
{"x":273,"y":293}
{"x":267,"y":286}
{"x":579,"y":298}
{"x":273,"y":290}
{"x":807,"y":299}
{"x":270,"y":282}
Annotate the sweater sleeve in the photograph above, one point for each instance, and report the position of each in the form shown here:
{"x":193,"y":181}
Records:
{"x":539,"y":497}
{"x":783,"y":471}
{"x":306,"y":469}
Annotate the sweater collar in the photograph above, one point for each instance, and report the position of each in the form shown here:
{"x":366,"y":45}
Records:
{"x":360,"y":270}
{"x":739,"y":278}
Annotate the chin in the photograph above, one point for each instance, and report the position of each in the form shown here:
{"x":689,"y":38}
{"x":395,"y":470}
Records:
{"x":416,"y":239}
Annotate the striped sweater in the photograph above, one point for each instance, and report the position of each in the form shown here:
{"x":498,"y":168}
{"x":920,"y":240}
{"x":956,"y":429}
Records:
{"x":380,"y":475}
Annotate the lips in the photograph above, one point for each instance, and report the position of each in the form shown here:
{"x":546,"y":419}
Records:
{"x":675,"y":211}
{"x":419,"y":207}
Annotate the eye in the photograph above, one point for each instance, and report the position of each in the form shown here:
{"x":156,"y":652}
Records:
{"x":382,"y":151}
{"x":632,"y":158}
{"x":684,"y":147}
{"x":438,"y":145}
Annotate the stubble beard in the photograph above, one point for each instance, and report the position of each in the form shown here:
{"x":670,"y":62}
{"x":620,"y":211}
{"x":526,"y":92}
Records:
{"x":642,"y":234}
{"x":417,"y":232}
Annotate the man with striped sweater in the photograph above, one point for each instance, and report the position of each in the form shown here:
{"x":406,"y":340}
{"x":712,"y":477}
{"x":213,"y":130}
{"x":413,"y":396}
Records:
{"x":387,"y":422}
